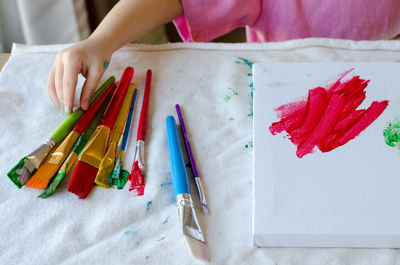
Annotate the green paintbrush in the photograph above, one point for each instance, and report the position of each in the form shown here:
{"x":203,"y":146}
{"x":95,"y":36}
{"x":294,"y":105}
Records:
{"x":73,"y":156}
{"x":22,"y":172}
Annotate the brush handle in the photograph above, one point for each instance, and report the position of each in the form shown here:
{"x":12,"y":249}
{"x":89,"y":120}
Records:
{"x":187,"y":143}
{"x":118,"y":129}
{"x":125,"y":137}
{"x":70,"y":122}
{"x":145,"y":108}
{"x":88,"y":116}
{"x":85,"y":137}
{"x":180,"y":180}
{"x":117,"y":99}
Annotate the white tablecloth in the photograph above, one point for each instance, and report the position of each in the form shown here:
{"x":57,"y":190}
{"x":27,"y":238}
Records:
{"x":213,"y":86}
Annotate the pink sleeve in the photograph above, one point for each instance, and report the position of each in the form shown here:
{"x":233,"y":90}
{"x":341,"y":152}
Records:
{"x":205,"y":20}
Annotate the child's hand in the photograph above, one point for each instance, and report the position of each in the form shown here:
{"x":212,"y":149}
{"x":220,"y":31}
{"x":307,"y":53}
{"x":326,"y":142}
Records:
{"x":88,"y":58}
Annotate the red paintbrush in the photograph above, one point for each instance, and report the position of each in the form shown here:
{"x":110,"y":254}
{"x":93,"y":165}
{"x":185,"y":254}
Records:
{"x":82,"y":180}
{"x":137,"y":173}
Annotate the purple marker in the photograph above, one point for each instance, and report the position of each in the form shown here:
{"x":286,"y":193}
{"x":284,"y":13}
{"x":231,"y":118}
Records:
{"x":192,"y":161}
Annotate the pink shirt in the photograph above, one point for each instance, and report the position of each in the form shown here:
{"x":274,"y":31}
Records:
{"x":278,"y":20}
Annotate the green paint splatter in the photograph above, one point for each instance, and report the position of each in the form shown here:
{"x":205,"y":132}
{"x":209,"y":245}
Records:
{"x":231,"y":119}
{"x":249,"y":144}
{"x":231,"y":94}
{"x":392,"y":134}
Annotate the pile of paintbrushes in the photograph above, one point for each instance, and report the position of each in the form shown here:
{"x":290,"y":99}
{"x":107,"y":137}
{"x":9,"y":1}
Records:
{"x":89,"y":144}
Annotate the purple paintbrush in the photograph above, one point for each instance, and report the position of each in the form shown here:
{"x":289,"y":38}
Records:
{"x":192,"y":161}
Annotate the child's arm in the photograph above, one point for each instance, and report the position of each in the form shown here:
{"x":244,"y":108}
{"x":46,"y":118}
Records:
{"x":126,"y":22}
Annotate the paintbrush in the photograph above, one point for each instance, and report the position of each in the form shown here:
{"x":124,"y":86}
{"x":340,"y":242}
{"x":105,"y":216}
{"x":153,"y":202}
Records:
{"x":22,"y":172}
{"x":73,"y":156}
{"x":180,"y":183}
{"x":45,"y":173}
{"x":107,"y":164}
{"x":119,"y":178}
{"x":193,"y":166}
{"x":82,"y":180}
{"x":138,"y":168}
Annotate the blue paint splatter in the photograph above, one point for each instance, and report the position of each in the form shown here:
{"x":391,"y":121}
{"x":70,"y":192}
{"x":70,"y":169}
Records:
{"x":163,"y":185}
{"x":137,"y":243}
{"x":250,"y":64}
{"x":148,"y":205}
{"x":147,"y":257}
{"x":166,"y":220}
{"x":130,"y":233}
{"x":161,"y":239}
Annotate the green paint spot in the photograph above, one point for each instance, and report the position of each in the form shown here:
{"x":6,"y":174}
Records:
{"x":106,"y":63}
{"x":392,"y":134}
{"x":231,"y":119}
{"x":231,"y":94}
{"x":249,"y":144}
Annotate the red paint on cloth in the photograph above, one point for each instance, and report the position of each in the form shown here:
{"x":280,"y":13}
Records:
{"x":329,"y":118}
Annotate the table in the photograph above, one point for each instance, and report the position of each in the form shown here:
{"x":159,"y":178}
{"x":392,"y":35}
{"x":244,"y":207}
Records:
{"x":3,"y":59}
{"x":212,"y":83}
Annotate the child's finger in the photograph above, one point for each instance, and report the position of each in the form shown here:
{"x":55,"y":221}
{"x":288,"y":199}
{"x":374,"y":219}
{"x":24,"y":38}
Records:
{"x":51,"y":87}
{"x":58,"y":82}
{"x":70,"y":78}
{"x":89,"y":87}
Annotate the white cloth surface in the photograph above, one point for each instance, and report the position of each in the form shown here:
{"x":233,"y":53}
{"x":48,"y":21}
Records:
{"x":213,"y":86}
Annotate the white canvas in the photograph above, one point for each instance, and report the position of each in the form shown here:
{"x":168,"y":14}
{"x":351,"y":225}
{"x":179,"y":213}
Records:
{"x":348,"y":197}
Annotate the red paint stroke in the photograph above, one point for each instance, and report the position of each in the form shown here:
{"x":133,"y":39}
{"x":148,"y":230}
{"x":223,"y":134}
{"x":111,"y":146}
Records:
{"x":329,"y":118}
{"x":137,"y":179}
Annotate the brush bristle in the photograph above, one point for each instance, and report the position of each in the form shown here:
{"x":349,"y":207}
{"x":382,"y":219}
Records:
{"x":82,"y":180}
{"x":26,"y":174}
{"x":43,"y":175}
{"x":137,"y":180}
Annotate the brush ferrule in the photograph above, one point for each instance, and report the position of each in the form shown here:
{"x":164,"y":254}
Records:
{"x":94,"y":151}
{"x":139,"y":154}
{"x":36,"y":158}
{"x":189,"y":222}
{"x":201,"y":191}
{"x":58,"y":156}
{"x":106,"y":166}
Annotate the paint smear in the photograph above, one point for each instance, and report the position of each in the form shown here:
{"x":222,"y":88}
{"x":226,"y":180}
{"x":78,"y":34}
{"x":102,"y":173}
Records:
{"x":329,"y":118}
{"x":392,"y":134}
{"x":166,"y":220}
{"x":149,"y":203}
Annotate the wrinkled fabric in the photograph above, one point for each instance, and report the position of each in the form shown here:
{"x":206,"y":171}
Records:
{"x":271,"y":20}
